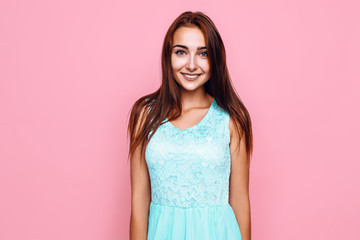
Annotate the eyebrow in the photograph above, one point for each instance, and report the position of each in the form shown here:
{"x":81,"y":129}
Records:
{"x":182,"y":46}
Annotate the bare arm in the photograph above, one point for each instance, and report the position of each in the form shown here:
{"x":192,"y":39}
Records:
{"x":140,"y":195}
{"x":239,"y":182}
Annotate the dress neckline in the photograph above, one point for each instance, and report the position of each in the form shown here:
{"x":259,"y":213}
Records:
{"x":196,"y":125}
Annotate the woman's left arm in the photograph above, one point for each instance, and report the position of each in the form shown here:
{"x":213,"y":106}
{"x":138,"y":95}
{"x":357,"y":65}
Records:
{"x":239,"y":182}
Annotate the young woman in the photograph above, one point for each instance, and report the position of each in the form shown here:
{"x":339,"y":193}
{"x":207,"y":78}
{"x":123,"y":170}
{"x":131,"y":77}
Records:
{"x":190,"y":143}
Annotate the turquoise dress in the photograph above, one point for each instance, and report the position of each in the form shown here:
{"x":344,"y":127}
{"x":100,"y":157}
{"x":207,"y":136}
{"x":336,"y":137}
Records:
{"x":189,"y":173}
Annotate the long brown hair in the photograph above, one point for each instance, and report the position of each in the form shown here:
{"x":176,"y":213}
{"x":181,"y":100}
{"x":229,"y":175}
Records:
{"x":167,"y":98}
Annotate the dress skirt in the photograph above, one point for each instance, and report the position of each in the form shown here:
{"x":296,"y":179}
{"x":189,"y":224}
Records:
{"x":192,"y":223}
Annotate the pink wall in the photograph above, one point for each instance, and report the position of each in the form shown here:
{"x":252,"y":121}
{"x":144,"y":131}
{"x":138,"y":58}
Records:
{"x":70,"y":70}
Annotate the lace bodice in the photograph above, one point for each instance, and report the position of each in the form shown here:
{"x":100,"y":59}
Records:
{"x":191,"y":167}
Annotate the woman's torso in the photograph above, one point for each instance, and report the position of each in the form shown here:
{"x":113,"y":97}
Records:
{"x":191,"y":167}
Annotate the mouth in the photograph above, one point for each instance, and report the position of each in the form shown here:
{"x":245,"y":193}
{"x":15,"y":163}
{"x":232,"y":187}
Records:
{"x":191,"y":77}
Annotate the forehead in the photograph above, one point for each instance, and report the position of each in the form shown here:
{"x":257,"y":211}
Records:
{"x":189,"y":36}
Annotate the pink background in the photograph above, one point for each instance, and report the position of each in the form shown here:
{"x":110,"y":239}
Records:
{"x":70,"y":71}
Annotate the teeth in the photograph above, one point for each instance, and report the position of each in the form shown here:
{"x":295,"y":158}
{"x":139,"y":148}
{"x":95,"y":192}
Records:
{"x":189,"y":76}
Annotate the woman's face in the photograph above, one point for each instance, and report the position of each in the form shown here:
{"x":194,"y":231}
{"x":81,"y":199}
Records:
{"x":189,"y":57}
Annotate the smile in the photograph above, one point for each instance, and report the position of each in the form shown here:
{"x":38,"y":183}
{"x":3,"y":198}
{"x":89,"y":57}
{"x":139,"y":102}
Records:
{"x":190,"y":77}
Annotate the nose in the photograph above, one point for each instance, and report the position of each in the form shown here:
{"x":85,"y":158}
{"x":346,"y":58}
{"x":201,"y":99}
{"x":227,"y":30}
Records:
{"x":192,"y":63}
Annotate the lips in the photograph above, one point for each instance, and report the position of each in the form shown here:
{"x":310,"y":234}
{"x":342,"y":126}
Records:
{"x":190,"y":77}
{"x":191,"y":74}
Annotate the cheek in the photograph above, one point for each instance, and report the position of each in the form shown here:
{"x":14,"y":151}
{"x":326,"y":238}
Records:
{"x":177,"y":63}
{"x":205,"y":66}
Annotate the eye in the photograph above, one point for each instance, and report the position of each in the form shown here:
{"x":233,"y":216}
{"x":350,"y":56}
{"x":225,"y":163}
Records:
{"x":179,"y":51}
{"x":205,"y":53}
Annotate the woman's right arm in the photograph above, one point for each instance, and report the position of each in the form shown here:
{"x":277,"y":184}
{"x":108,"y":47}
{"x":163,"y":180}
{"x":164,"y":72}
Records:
{"x":140,"y":194}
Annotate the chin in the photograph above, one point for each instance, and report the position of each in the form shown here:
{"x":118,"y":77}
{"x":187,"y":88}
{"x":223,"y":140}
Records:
{"x":191,"y":87}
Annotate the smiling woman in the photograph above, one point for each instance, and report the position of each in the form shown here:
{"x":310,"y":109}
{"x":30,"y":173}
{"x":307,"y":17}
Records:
{"x":189,"y":58}
{"x":190,"y":143}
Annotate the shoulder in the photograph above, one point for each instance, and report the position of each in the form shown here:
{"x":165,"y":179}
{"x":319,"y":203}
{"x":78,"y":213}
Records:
{"x":231,"y":126}
{"x":234,"y":134}
{"x":221,"y":115}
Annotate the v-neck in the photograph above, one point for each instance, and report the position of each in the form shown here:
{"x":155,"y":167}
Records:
{"x":199,"y":123}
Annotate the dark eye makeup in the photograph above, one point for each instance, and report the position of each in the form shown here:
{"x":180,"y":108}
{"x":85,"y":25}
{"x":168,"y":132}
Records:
{"x":180,"y":52}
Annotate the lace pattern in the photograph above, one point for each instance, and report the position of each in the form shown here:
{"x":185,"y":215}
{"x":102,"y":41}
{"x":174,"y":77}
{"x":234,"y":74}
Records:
{"x":191,"y":167}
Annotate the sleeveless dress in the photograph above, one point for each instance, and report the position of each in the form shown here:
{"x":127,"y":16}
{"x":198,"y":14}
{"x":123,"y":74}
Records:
{"x":189,"y":173}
